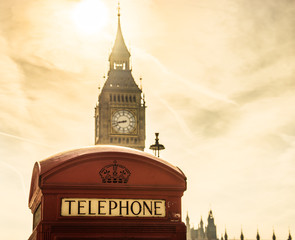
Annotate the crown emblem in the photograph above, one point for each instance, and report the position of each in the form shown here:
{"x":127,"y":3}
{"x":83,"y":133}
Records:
{"x":114,"y":173}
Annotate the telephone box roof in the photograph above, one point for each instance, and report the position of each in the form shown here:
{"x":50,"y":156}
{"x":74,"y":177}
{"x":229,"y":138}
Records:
{"x":147,"y":168}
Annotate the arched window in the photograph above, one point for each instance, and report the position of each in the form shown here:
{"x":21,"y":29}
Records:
{"x":134,"y":99}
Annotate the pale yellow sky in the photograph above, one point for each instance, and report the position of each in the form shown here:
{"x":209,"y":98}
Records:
{"x":218,"y":76}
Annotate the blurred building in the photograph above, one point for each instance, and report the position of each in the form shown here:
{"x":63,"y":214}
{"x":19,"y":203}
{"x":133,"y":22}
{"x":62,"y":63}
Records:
{"x":207,"y":232}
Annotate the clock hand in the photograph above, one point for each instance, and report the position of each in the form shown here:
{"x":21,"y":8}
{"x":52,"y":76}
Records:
{"x":123,"y":121}
{"x":115,"y":124}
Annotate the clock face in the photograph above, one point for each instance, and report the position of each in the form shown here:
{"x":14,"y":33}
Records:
{"x":123,"y":121}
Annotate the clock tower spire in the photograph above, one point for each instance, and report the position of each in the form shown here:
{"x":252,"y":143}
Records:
{"x":120,"y":110}
{"x":119,"y":57}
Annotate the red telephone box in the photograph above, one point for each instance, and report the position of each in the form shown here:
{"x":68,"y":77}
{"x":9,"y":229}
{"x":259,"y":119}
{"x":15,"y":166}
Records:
{"x":106,"y":192}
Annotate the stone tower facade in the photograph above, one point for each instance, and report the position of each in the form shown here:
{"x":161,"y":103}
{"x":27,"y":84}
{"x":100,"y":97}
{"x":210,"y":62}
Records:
{"x":211,"y":227}
{"x":120,"y":111}
{"x":202,"y":232}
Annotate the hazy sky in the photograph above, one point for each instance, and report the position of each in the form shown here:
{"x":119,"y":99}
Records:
{"x":219,"y":81}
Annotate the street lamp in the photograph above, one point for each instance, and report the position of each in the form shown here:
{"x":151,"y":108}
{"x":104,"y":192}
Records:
{"x":157,"y":147}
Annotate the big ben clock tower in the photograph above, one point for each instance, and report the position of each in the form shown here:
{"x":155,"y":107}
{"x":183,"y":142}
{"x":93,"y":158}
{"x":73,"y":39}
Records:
{"x":120,"y":111}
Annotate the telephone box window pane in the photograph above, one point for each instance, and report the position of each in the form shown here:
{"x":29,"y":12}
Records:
{"x":37,"y":216}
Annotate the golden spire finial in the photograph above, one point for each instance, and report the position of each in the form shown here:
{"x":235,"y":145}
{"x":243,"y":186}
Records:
{"x":119,"y":9}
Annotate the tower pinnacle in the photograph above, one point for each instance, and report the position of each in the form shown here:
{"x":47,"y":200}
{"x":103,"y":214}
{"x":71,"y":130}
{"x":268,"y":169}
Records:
{"x":119,"y":57}
{"x":119,"y":9}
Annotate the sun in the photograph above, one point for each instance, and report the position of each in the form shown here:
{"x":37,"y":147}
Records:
{"x":90,"y":16}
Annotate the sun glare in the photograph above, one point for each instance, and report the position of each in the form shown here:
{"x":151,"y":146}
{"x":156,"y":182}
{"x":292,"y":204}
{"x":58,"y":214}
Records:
{"x":90,"y":16}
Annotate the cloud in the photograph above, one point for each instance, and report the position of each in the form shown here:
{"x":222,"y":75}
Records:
{"x":19,"y":175}
{"x":24,"y":139}
{"x":174,"y":79}
{"x":12,"y":99}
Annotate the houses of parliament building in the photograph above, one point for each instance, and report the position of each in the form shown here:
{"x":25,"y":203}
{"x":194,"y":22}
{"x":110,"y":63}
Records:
{"x":209,"y":232}
{"x":202,"y":232}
